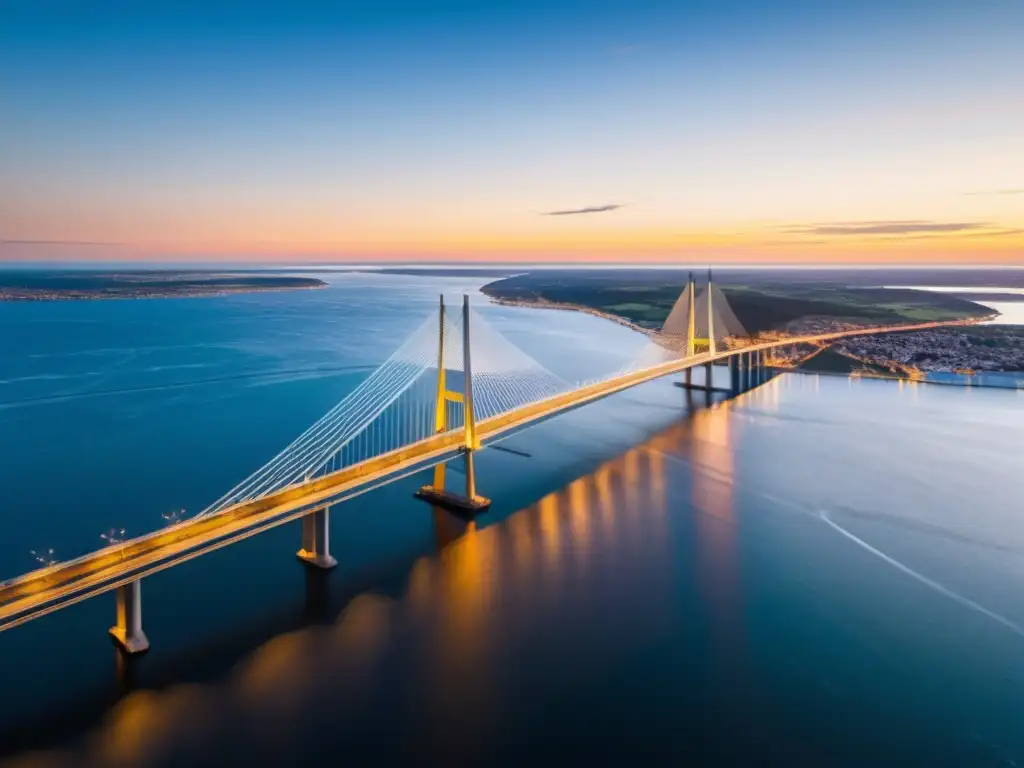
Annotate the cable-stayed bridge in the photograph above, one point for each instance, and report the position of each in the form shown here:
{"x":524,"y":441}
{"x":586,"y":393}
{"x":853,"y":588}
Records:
{"x":453,"y":387}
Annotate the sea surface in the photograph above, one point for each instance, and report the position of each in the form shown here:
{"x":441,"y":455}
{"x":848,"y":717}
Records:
{"x":823,"y":571}
{"x":1010,"y":312}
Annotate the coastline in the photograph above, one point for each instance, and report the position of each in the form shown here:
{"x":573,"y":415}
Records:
{"x":169,"y":293}
{"x":567,"y":307}
{"x":964,"y":381}
{"x":539,"y":303}
{"x":570,"y":307}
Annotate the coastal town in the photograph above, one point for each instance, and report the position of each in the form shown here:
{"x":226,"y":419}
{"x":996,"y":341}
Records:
{"x":942,"y":350}
{"x":974,"y":348}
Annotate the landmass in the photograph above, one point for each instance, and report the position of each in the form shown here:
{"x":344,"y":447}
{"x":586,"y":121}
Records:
{"x":781,"y":303}
{"x":976,"y":349}
{"x":764,"y":302}
{"x":24,"y":285}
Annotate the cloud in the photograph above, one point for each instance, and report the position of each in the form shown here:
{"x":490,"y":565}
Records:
{"x":60,"y":242}
{"x":578,"y":211}
{"x":961,"y":235}
{"x":996,"y":192}
{"x":790,"y":243}
{"x":913,"y":227}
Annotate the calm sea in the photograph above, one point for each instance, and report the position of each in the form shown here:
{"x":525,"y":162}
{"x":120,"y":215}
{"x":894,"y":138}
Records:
{"x":821,"y":572}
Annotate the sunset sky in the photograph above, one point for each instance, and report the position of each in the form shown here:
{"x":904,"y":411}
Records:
{"x":716,"y":130}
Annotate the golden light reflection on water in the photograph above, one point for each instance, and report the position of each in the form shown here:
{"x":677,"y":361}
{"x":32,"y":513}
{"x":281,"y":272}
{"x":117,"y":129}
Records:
{"x":485,"y":586}
{"x":451,"y":595}
{"x":713,"y":489}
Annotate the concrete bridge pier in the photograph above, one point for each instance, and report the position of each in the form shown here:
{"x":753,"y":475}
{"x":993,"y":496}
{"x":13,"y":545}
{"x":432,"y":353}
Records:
{"x":469,"y":503}
{"x":734,"y":374}
{"x":316,"y":545}
{"x":128,"y":631}
{"x":709,"y":378}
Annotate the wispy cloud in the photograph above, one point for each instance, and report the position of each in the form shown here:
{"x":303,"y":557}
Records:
{"x":60,"y":242}
{"x":996,"y":192}
{"x":983,"y":233}
{"x":591,"y":209}
{"x":791,"y":243}
{"x":912,"y":227}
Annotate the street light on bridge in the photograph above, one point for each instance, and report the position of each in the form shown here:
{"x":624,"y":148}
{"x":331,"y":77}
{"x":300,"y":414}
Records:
{"x":46,"y":557}
{"x":173,"y":517}
{"x":114,"y":537}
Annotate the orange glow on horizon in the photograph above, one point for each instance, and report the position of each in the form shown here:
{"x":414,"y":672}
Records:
{"x":597,"y":242}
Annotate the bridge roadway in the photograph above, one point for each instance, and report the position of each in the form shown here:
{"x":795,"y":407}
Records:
{"x":43,"y":591}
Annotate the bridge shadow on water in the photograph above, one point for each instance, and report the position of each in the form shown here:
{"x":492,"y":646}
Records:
{"x":425,"y":656}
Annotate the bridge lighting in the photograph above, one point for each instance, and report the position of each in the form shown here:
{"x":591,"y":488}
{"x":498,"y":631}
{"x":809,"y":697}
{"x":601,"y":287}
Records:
{"x":113,"y":536}
{"x":45,"y":557}
{"x":512,"y":390}
{"x":172,"y":517}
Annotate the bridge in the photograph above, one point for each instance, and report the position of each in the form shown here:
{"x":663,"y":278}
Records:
{"x":454,"y":387}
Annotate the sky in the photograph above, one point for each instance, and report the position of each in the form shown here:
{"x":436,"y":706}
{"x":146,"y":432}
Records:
{"x":744,"y":131}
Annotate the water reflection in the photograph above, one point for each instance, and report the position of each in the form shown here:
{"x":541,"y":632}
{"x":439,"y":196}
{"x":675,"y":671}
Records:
{"x":439,"y":670}
{"x":718,"y":560}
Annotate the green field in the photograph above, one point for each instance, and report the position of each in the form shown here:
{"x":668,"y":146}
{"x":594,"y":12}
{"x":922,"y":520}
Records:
{"x":645,"y":297}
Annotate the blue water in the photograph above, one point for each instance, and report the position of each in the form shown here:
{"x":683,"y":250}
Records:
{"x":1005,"y":380}
{"x":824,"y":571}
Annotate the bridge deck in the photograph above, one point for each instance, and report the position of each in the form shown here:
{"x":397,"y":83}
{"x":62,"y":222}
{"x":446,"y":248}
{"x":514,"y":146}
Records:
{"x":45,"y":590}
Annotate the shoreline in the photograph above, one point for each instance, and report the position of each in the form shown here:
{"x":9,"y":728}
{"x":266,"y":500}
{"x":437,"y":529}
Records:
{"x":978,"y":320}
{"x":567,"y":307}
{"x":966,"y":383}
{"x":570,"y":307}
{"x":539,"y":303}
{"x":153,"y":294}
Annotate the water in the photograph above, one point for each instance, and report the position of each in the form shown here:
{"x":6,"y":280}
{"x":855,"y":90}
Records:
{"x":1010,"y":312}
{"x":824,"y":571}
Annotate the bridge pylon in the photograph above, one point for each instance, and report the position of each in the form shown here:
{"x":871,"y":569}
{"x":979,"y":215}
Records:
{"x":127,"y":633}
{"x":316,"y":540}
{"x":691,"y":325}
{"x":709,"y":368}
{"x":711,"y":317}
{"x":436,"y":492}
{"x":693,"y":341}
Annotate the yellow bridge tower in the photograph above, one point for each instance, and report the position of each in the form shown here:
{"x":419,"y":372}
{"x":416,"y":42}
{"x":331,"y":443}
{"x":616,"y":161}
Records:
{"x":436,"y":492}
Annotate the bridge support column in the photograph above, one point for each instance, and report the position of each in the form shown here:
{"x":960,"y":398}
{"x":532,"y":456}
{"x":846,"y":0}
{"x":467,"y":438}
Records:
{"x":316,"y":548}
{"x":709,"y":378}
{"x":128,"y":631}
{"x":470,"y":503}
{"x":734,"y":373}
